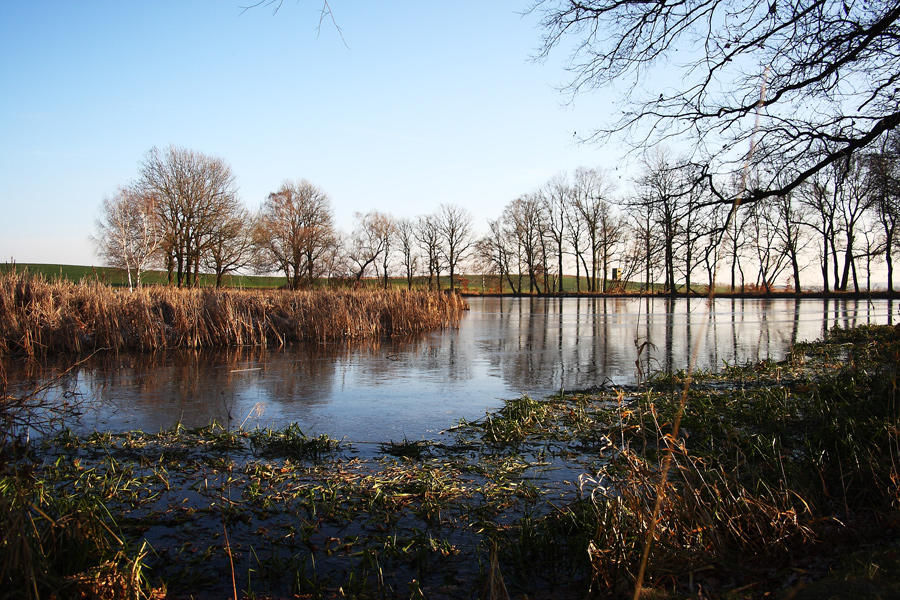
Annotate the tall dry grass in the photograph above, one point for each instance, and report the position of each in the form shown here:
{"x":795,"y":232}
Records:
{"x":38,"y":318}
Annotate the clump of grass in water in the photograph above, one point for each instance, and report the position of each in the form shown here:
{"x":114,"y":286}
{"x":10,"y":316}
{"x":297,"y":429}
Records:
{"x":56,"y":543}
{"x":292,"y":443}
{"x":409,"y":449}
{"x":516,"y":420}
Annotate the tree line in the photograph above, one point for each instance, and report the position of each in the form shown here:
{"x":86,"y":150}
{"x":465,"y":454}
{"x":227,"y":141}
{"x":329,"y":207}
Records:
{"x":183,"y":214}
{"x":809,"y":88}
{"x":665,"y":231}
{"x":670,"y":231}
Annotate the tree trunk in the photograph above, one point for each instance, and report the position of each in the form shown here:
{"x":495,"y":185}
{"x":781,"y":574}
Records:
{"x":888,"y":250}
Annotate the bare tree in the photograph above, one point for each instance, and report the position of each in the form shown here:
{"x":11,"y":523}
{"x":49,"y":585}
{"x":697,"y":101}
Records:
{"x":713,"y":234}
{"x":231,"y":245}
{"x":828,"y":70}
{"x":406,"y":244}
{"x":454,"y":225}
{"x":370,"y":241}
{"x":295,"y":232}
{"x":663,"y":188}
{"x":821,"y":212}
{"x":884,"y":171}
{"x":127,"y":236}
{"x":873,"y":243}
{"x":428,"y":235}
{"x":388,"y":230}
{"x":556,"y":195}
{"x":496,"y":253}
{"x":591,"y":192}
{"x":575,"y":232}
{"x":610,"y":228}
{"x":764,"y":221}
{"x":638,"y":245}
{"x":855,"y":197}
{"x":646,"y":242}
{"x":191,"y":192}
{"x":523,"y":221}
{"x":792,"y":235}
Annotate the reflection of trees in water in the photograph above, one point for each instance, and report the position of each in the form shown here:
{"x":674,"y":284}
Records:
{"x":442,"y":357}
{"x":384,"y":362}
{"x":455,"y":366}
{"x":528,"y":343}
{"x":158,"y":389}
{"x":300,"y":376}
{"x":545,"y":343}
{"x":518,"y":344}
{"x":193,"y":386}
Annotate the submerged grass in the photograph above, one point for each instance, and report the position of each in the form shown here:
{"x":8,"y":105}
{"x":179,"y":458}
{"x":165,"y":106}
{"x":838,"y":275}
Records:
{"x":781,"y":472}
{"x":39,"y":318}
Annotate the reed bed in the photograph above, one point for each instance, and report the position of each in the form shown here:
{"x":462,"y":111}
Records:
{"x":39,"y":318}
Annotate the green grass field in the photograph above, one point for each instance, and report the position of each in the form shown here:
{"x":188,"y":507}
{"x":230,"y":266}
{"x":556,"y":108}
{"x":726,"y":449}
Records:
{"x":118,"y":278}
{"x":474,"y":284}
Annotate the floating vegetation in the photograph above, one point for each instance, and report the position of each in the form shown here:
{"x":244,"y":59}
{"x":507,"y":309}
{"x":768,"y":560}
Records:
{"x":780,"y":471}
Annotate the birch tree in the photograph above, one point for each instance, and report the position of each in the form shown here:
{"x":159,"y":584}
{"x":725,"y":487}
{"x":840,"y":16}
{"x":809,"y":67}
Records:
{"x":127,"y":236}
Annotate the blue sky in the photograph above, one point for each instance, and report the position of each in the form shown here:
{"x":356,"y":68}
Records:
{"x":427,"y":103}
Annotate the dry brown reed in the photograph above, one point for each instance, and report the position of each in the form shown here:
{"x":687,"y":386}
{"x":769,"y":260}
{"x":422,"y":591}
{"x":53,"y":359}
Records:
{"x":39,"y":318}
{"x":705,"y":514}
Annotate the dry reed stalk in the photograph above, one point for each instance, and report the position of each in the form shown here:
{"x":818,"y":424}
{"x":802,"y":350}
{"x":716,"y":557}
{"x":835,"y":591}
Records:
{"x":701,"y":513}
{"x":495,"y":588}
{"x":38,"y":318}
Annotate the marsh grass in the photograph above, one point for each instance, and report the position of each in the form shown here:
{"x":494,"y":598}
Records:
{"x":408,"y":449}
{"x":39,"y":318}
{"x":57,"y":542}
{"x":516,"y":420}
{"x":292,"y":443}
{"x":779,"y":472}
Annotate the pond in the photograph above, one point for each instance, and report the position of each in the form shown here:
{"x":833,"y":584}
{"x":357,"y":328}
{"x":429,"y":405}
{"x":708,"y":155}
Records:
{"x":392,"y":390}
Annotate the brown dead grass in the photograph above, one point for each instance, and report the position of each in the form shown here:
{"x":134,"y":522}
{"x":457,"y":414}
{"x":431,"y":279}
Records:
{"x":39,"y":318}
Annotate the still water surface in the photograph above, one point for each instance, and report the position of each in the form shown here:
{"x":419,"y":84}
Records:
{"x":414,"y":388}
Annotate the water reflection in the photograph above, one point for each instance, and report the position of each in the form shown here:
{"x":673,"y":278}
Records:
{"x":415,"y":387}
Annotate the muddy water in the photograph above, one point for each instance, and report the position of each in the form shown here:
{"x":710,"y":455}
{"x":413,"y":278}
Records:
{"x":414,"y":388}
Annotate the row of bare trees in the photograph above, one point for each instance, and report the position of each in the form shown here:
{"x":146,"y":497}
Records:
{"x":808,"y":87}
{"x":667,"y":229}
{"x":183,"y":214}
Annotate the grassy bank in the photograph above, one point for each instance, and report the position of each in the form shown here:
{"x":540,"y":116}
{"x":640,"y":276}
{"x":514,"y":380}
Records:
{"x":785,"y":484}
{"x":39,"y":318}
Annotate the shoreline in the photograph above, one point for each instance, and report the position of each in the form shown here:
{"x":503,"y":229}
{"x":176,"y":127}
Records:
{"x":874,"y":295}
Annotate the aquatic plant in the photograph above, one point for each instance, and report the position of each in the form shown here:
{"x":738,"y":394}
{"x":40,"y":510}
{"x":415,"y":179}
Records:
{"x":292,"y":443}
